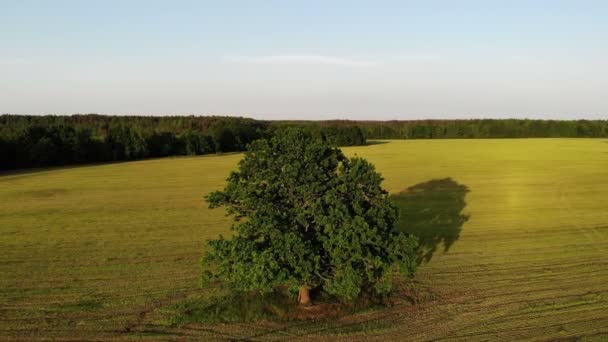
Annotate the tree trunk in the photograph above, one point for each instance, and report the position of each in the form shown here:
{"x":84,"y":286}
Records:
{"x":304,"y":296}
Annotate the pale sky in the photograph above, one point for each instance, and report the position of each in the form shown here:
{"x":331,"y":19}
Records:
{"x":374,"y":60}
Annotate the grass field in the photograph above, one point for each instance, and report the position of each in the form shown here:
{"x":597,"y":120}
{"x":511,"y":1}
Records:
{"x":101,"y":252}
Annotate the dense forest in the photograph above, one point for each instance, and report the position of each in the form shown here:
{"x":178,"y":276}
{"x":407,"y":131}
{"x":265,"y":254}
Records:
{"x":34,"y":141}
{"x":482,"y":128}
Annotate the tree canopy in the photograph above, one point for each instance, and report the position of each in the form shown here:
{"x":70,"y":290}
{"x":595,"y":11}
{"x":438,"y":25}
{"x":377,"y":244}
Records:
{"x":306,"y":216}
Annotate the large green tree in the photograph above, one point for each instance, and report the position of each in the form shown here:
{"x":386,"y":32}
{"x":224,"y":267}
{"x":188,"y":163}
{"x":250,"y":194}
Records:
{"x":308,"y":217}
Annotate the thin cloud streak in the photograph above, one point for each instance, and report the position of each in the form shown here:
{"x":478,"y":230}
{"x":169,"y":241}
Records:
{"x":302,"y":60}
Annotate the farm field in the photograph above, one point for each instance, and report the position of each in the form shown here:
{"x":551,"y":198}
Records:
{"x":102,"y":251}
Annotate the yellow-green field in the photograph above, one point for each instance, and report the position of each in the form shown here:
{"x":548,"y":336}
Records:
{"x":101,"y":252}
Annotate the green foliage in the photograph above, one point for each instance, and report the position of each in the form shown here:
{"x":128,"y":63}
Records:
{"x":196,"y":143}
{"x":482,"y":128}
{"x":336,"y":134}
{"x":343,"y":136}
{"x":30,"y":141}
{"x":307,"y":216}
{"x":459,"y":129}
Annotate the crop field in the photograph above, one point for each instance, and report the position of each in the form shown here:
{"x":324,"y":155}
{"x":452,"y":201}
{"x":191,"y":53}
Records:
{"x":514,"y":236}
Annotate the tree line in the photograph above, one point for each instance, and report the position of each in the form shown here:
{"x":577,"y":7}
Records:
{"x":479,"y":128}
{"x":36,"y":141}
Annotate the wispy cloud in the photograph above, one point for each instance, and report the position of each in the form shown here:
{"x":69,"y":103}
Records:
{"x":302,"y":60}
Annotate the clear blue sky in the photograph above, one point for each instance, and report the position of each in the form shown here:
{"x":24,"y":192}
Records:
{"x":306,"y":59}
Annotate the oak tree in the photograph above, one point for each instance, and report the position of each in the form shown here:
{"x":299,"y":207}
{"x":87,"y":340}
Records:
{"x":306,"y":216}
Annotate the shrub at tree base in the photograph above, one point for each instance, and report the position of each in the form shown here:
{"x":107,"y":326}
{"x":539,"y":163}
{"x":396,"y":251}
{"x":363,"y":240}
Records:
{"x":278,"y":306}
{"x":234,"y":307}
{"x":307,"y":217}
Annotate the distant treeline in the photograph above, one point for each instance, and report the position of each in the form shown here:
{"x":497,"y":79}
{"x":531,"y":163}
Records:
{"x":483,"y":128}
{"x":34,"y":141}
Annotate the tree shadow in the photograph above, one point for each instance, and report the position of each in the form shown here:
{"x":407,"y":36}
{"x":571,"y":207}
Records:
{"x":432,"y":211}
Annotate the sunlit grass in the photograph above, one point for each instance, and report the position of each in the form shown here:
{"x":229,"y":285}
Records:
{"x":100,"y":251}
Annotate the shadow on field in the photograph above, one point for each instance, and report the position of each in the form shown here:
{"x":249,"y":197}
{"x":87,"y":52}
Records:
{"x":432,"y":211}
{"x":375,"y":142}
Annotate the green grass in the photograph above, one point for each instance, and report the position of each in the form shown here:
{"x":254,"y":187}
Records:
{"x":102,"y":252}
